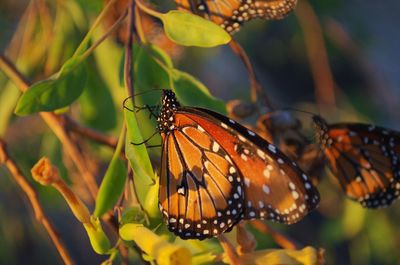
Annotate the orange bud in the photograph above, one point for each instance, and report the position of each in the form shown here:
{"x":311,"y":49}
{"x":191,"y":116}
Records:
{"x":44,"y":172}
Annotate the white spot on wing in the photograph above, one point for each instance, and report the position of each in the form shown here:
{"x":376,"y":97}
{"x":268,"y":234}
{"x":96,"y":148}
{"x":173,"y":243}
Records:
{"x":181,"y":190}
{"x":241,"y":138}
{"x":247,"y":182}
{"x":272,"y":148}
{"x":266,"y":173}
{"x":266,"y":189}
{"x":260,"y":153}
{"x":215,"y":147}
{"x":251,"y":133}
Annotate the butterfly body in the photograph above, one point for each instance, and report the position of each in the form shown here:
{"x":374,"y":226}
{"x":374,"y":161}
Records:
{"x":364,"y":158}
{"x":215,"y":173}
{"x":230,"y":14}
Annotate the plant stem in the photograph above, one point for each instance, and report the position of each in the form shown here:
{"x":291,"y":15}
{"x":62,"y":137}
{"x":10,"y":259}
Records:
{"x":30,"y":192}
{"x":148,"y":10}
{"x":88,"y":35}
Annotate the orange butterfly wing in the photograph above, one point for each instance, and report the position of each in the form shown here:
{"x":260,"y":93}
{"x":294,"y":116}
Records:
{"x":364,"y":159}
{"x":275,"y":188}
{"x":197,"y":196}
{"x":215,"y":173}
{"x":230,"y":14}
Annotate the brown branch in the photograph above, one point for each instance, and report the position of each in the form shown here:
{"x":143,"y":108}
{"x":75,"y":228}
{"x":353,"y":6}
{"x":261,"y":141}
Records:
{"x":128,"y":52}
{"x":279,"y":238}
{"x":72,"y":125}
{"x":256,"y":88}
{"x":33,"y":199}
{"x":55,"y":125}
{"x":317,"y":56}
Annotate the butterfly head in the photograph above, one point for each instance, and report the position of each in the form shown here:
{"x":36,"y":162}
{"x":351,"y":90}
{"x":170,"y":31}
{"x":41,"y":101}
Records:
{"x":165,"y":119}
{"x":321,"y":128}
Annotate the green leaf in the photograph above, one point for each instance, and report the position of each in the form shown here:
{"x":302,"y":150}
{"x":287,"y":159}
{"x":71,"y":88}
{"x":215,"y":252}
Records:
{"x":133,"y":215}
{"x":97,"y":107}
{"x":352,"y":219}
{"x":9,"y":96}
{"x":113,"y":182}
{"x":191,"y":92}
{"x":191,"y":30}
{"x":138,"y":156}
{"x":151,"y":203}
{"x":152,"y":65}
{"x":151,"y":71}
{"x":58,"y":91}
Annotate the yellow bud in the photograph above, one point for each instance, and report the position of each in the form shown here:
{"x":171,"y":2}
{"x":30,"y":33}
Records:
{"x":305,"y":256}
{"x":98,"y":239}
{"x":155,"y":246}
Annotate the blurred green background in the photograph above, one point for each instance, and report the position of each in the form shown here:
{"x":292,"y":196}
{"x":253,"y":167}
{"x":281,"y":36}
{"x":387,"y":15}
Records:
{"x":362,"y":43}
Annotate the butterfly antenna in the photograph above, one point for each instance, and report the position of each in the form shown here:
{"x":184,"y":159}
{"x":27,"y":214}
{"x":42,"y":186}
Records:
{"x":152,"y":109}
{"x":124,"y":104}
{"x":301,"y":111}
{"x":145,"y":141}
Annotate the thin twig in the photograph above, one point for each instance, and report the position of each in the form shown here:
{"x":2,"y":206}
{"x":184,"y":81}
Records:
{"x":317,"y":56}
{"x":148,"y":10}
{"x":139,"y":25}
{"x":128,"y":53}
{"x":279,"y":238}
{"x":89,"y":133}
{"x":256,"y":88}
{"x":97,"y":22}
{"x":110,"y":30}
{"x":36,"y":206}
{"x":128,"y":78}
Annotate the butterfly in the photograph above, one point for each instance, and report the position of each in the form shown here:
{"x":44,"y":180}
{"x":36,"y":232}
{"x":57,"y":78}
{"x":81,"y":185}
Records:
{"x":215,"y":173}
{"x":230,"y":14}
{"x":364,"y":158}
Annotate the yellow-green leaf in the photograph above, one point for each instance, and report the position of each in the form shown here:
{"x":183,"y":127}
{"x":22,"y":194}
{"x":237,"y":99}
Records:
{"x":191,"y":30}
{"x":98,"y":239}
{"x":56,"y":92}
{"x":138,"y":156}
{"x":113,"y":182}
{"x":191,"y":92}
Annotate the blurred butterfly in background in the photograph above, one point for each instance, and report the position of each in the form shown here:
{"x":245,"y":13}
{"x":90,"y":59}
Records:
{"x":231,"y":14}
{"x":215,"y":173}
{"x":364,"y":158}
